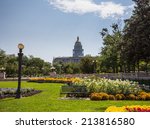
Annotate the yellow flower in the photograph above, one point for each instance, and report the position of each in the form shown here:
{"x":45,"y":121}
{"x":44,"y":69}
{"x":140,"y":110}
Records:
{"x":115,"y":109}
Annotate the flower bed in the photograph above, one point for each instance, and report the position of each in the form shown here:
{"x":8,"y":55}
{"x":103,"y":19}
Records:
{"x":11,"y":92}
{"x":105,"y":96}
{"x":134,"y":108}
{"x":54,"y":80}
{"x":108,"y":86}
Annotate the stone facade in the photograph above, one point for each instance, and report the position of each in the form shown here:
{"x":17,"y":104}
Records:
{"x":78,"y":53}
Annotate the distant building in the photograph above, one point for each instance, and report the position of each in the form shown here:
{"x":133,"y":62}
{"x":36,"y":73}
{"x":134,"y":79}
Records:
{"x":78,"y":53}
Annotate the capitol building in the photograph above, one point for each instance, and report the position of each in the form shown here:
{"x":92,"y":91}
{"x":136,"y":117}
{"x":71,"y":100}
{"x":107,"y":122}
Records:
{"x":78,"y":53}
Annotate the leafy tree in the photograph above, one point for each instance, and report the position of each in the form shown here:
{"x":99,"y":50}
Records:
{"x":137,"y":35}
{"x":111,"y":58}
{"x":87,"y":65}
{"x":11,"y":66}
{"x":2,"y":58}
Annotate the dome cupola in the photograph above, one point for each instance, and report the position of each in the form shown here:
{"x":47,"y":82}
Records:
{"x":78,"y":51}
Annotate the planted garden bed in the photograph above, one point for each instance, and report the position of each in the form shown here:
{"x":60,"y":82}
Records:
{"x":11,"y":92}
{"x":53,"y":80}
{"x":133,"y":108}
{"x":107,"y":89}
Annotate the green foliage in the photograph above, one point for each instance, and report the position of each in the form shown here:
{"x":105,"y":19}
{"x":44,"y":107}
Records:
{"x":35,"y":66}
{"x":136,"y":34}
{"x":111,"y":52}
{"x":87,"y":64}
{"x":67,"y":68}
{"x":2,"y":59}
{"x":31,"y":66}
{"x":11,"y":66}
{"x":128,"y":50}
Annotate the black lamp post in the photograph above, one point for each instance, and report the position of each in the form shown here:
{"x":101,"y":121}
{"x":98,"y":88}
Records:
{"x":20,"y":54}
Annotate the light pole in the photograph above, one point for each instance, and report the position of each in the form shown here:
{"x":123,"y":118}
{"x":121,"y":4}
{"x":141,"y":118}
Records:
{"x":20,"y":54}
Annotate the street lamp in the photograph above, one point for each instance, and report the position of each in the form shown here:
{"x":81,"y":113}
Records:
{"x":20,"y":54}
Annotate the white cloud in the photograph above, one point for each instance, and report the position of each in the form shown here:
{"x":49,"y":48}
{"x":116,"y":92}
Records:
{"x":103,"y":9}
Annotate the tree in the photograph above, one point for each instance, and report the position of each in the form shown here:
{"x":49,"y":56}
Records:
{"x":11,"y":66}
{"x":2,"y":58}
{"x":87,"y":65}
{"x":46,"y":68}
{"x":137,"y":34}
{"x":111,"y":58}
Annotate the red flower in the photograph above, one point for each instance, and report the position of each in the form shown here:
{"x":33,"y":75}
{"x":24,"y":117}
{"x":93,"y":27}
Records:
{"x":139,"y":109}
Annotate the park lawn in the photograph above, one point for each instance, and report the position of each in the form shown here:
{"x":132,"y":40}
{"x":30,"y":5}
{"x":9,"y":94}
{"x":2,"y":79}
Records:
{"x":49,"y":100}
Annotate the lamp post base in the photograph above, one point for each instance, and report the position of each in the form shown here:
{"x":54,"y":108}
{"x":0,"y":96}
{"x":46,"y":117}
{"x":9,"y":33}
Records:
{"x":18,"y":96}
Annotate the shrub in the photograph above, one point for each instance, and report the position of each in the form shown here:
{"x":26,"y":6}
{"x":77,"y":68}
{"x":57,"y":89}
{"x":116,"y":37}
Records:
{"x":144,"y":96}
{"x":99,"y":96}
{"x":95,"y":96}
{"x":131,"y":97}
{"x":148,"y":96}
{"x":119,"y":96}
{"x":111,"y":97}
{"x":104,"y":96}
{"x":142,"y":93}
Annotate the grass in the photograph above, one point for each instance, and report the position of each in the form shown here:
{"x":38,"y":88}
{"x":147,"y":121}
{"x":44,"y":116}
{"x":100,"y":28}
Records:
{"x":49,"y":100}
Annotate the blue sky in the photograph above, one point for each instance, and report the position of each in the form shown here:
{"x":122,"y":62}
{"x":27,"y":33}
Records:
{"x":49,"y":28}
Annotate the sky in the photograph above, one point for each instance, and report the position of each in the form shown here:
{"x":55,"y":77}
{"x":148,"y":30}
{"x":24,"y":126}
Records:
{"x":49,"y":28}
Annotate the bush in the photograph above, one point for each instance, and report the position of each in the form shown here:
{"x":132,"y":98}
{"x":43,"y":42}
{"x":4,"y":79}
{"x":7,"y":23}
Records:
{"x":144,"y":96}
{"x":131,"y":97}
{"x":105,"y":96}
{"x":111,"y":97}
{"x":99,"y":96}
{"x":142,"y":93}
{"x":95,"y":96}
{"x":148,"y":96}
{"x":119,"y":97}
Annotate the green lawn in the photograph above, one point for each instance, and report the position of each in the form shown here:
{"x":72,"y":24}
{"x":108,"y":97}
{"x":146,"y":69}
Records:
{"x":49,"y":101}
